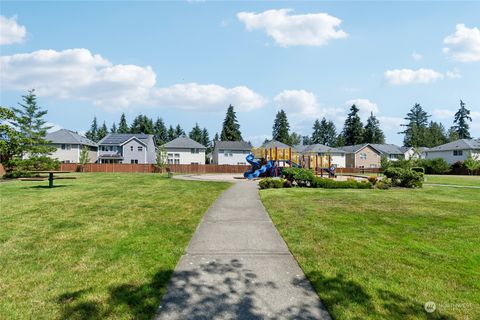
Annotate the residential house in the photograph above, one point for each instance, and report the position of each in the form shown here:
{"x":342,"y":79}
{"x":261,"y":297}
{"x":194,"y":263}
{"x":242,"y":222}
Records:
{"x":127,"y":148}
{"x":231,"y":152}
{"x":272,"y":144}
{"x":337,"y":155}
{"x":455,"y":151}
{"x":68,"y":146}
{"x":414,"y":153}
{"x":184,"y":150}
{"x":391,"y":151}
{"x":361,"y":156}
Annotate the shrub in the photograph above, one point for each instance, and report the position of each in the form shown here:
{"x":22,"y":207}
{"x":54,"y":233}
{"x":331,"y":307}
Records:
{"x":23,"y":167}
{"x":287,"y":184}
{"x":372,"y":179}
{"x":384,"y":184}
{"x":333,"y":184}
{"x":268,"y":183}
{"x":404,"y":177}
{"x":302,"y":177}
{"x":434,"y":166}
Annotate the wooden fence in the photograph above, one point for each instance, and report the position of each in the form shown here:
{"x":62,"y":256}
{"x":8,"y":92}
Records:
{"x":150,"y":168}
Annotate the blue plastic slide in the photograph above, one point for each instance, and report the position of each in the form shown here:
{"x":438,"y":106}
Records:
{"x":256,"y":169}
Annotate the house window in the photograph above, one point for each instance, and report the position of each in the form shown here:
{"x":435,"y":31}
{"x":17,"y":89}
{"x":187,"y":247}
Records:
{"x":140,"y":148}
{"x":66,"y":146}
{"x":131,"y":148}
{"x":176,"y":161}
{"x":363,"y":156}
{"x":458,"y":152}
{"x":177,"y":155}
{"x":170,"y":155}
{"x":194,"y":150}
{"x":134,"y":161}
{"x":373,"y":165}
{"x":195,"y":163}
{"x":66,"y":161}
{"x":170,"y":161}
{"x":227,"y":153}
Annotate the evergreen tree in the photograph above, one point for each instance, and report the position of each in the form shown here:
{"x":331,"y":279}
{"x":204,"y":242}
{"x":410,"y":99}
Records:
{"x":416,"y":127}
{"x":171,"y":133}
{"x":452,"y":134}
{"x":160,"y":132}
{"x":340,"y":141}
{"x":142,"y":124}
{"x":216,"y":137}
{"x":102,"y":132}
{"x":306,"y":140}
{"x":353,"y":128}
{"x":11,"y":141}
{"x":324,"y":132}
{"x":435,"y":135}
{"x":92,"y":134}
{"x":295,"y":139}
{"x":231,"y":128}
{"x":372,"y":131}
{"x":113,"y":129}
{"x":31,"y":126}
{"x":206,"y":139}
{"x":122,"y":125}
{"x":179,"y":131}
{"x":460,"y":122}
{"x":281,"y":128}
{"x":196,"y":133}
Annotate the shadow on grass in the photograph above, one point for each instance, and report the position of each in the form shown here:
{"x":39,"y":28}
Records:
{"x":46,"y":187}
{"x":339,"y":293}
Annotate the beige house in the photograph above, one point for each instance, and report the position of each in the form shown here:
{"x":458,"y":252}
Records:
{"x":69,"y":144}
{"x":361,"y":156}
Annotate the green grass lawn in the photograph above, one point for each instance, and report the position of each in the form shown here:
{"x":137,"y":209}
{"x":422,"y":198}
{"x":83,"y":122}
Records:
{"x":381,"y":254}
{"x":101,"y":246}
{"x":453,"y":180}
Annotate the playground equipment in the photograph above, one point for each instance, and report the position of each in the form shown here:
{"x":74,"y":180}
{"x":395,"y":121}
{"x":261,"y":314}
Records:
{"x":269,"y":162}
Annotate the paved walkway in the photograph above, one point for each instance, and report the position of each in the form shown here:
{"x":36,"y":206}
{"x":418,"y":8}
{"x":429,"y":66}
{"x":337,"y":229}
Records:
{"x":237,"y":266}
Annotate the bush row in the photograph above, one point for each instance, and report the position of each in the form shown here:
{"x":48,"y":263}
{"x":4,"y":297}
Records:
{"x":402,"y":177}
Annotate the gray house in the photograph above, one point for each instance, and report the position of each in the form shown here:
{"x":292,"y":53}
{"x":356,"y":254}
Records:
{"x":127,"y":148}
{"x":68,"y":145}
{"x":184,"y":150}
{"x":455,"y":151}
{"x":231,"y":152}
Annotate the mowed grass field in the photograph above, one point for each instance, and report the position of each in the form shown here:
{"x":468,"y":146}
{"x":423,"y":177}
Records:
{"x":453,"y":180}
{"x":382,"y":254}
{"x":101,"y":246}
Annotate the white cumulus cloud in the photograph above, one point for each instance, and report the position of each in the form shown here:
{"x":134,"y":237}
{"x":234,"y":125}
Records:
{"x":417,"y":56}
{"x":10,"y":31}
{"x":409,"y":76}
{"x":464,"y":44}
{"x":298,"y":102}
{"x":287,"y":29}
{"x":443,"y":113}
{"x":79,"y":74}
{"x":365,"y":107}
{"x":453,"y":74}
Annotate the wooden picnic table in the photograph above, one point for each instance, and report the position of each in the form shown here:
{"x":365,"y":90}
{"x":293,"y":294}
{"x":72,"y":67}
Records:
{"x":50,"y":176}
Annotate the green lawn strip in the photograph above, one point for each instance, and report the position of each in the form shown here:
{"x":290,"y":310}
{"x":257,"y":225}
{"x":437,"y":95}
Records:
{"x":453,"y":180}
{"x":374,"y":254}
{"x":103,"y":245}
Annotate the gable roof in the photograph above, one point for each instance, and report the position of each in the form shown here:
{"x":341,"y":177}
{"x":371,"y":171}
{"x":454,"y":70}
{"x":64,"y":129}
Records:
{"x":300,"y":147}
{"x":121,"y":138}
{"x":233,"y":145}
{"x":65,"y":136}
{"x":321,"y":148}
{"x":184,"y":142}
{"x":380,"y":148}
{"x":462,"y":144}
{"x":274,"y":144}
{"x":355,"y":148}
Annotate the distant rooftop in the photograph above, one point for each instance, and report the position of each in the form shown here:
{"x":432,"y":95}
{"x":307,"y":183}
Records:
{"x":462,"y":144}
{"x":274,"y":144}
{"x":184,"y":142}
{"x":233,"y":145}
{"x":64,"y":136}
{"x":120,"y":138}
{"x":321,"y":148}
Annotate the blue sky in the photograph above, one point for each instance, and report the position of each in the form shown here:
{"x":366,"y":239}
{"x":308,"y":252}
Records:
{"x":186,"y":61}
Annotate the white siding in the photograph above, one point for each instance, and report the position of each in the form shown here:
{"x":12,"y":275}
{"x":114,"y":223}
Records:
{"x":449,"y":157}
{"x":231,"y":157}
{"x":185,"y":156}
{"x":338,"y":160}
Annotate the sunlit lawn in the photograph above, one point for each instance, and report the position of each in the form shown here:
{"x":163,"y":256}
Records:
{"x":453,"y":180}
{"x":100,"y":246}
{"x":382,"y":254}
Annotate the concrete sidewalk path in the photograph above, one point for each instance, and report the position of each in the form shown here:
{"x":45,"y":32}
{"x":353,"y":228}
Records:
{"x":237,"y":266}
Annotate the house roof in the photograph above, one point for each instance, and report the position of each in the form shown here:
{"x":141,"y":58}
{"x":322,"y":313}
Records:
{"x":354,"y":148}
{"x":274,"y":144}
{"x":183,"y":142}
{"x":462,"y":144}
{"x":299,"y":147}
{"x":121,"y":138}
{"x":70,"y":137}
{"x":233,"y":145}
{"x":321,"y":148}
{"x":380,"y":148}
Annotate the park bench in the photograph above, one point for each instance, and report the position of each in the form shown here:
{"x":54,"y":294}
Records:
{"x":50,"y":178}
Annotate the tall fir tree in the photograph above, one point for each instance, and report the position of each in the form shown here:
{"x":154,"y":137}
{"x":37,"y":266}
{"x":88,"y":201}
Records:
{"x":216,"y":137}
{"x":102,"y":131}
{"x":306,"y":140}
{"x":452,"y":134}
{"x":462,"y":116}
{"x":92,"y":134}
{"x":206,"y":138}
{"x":416,"y":127}
{"x":179,"y":131}
{"x":294,"y":139}
{"x":435,"y":135}
{"x":340,"y":141}
{"x":196,"y":133}
{"x":230,"y":127}
{"x":113,"y":129}
{"x":123,"y":125}
{"x":31,"y":126}
{"x":160,"y":132}
{"x":324,"y":132}
{"x":281,"y":128}
{"x":142,"y":124}
{"x":353,"y":128}
{"x":372,"y":132}
{"x":171,"y":133}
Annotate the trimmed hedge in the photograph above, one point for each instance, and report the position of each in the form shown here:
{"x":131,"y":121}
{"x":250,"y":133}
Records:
{"x":404,"y":177}
{"x":269,"y":183}
{"x":302,"y":177}
{"x":333,"y":184}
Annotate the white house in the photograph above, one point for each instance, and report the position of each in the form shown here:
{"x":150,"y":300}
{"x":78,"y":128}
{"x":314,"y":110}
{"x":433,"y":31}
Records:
{"x":455,"y":151}
{"x":231,"y":152}
{"x":68,"y":146}
{"x":337,"y":155}
{"x":127,"y":148}
{"x":184,"y":150}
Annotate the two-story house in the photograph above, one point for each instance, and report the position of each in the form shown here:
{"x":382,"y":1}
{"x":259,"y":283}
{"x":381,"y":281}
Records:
{"x":337,"y":156}
{"x":231,"y":152}
{"x":69,"y":144}
{"x":127,"y":148}
{"x":454,"y":151}
{"x":184,"y":150}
